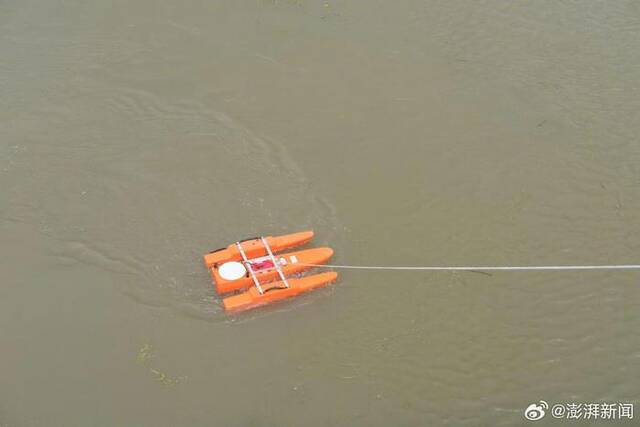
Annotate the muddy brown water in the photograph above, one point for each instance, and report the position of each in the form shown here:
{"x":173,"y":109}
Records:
{"x":135,"y":136}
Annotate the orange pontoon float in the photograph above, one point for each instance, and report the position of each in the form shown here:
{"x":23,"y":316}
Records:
{"x":251,"y":263}
{"x":254,"y":247}
{"x":275,"y":291}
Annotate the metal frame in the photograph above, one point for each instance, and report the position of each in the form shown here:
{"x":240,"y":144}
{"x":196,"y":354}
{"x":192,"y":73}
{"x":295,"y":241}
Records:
{"x":275,"y":262}
{"x":248,"y":265}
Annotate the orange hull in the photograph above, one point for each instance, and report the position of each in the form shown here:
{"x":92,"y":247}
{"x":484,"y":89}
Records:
{"x":276,"y":291}
{"x":290,"y":263}
{"x":254,"y":248}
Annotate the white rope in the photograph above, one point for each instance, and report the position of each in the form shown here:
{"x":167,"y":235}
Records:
{"x":484,"y":268}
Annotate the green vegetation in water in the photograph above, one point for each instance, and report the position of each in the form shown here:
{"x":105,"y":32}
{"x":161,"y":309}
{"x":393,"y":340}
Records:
{"x":145,"y":356}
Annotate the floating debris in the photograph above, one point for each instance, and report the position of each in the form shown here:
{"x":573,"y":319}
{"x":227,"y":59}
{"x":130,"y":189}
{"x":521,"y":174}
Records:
{"x":144,"y":357}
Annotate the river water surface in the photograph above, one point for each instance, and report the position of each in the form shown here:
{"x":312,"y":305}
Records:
{"x":136,"y":136}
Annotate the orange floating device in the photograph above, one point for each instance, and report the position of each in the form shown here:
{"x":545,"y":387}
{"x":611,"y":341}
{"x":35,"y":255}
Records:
{"x":254,"y":247}
{"x":251,"y":265}
{"x":275,"y":291}
{"x":264,"y":268}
